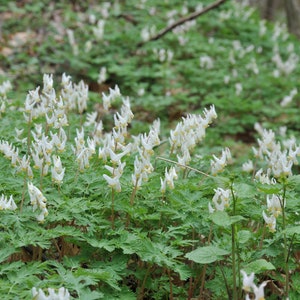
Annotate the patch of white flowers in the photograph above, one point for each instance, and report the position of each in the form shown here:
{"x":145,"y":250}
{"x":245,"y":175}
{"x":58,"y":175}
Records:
{"x":251,"y":288}
{"x":279,"y":159}
{"x":61,"y":294}
{"x":7,"y":203}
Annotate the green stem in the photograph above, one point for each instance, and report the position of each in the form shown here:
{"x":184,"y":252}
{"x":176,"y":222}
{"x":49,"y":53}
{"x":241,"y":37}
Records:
{"x":171,"y":285}
{"x":234,"y":295}
{"x":132,"y":197}
{"x":201,"y":294}
{"x":141,"y":293}
{"x":233,"y":247}
{"x":29,"y":135}
{"x":285,"y":242}
{"x":112,"y":208}
{"x":225,"y":281}
{"x":23,"y":194}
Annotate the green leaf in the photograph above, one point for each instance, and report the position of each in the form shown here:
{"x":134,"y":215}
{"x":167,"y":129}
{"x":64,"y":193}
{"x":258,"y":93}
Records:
{"x":244,"y":236}
{"x":292,"y":230}
{"x":183,"y":271}
{"x":258,"y":266}
{"x":207,"y":255}
{"x":269,"y":188}
{"x":221,"y":218}
{"x":6,"y":252}
{"x":244,"y":190}
{"x":102,"y":244}
{"x":293,"y":181}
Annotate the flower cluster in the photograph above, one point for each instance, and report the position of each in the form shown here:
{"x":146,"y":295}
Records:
{"x":82,"y":151}
{"x":38,"y":201}
{"x":114,"y":143}
{"x":250,"y":287}
{"x":218,"y":164}
{"x":163,"y":55}
{"x":62,"y":294}
{"x":6,"y":203}
{"x":57,"y":171}
{"x":189,"y":132}
{"x":284,"y":67}
{"x":220,"y":200}
{"x":169,"y":179}
{"x":142,"y":163}
{"x":112,"y":96}
{"x":5,"y":87}
{"x":279,"y":159}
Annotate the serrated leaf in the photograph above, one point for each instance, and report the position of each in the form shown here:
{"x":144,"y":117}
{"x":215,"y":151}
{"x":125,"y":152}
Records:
{"x":293,"y":181}
{"x":221,"y":218}
{"x":183,"y":271}
{"x":108,"y":276}
{"x":258,"y":266}
{"x":102,"y":244}
{"x":6,"y":252}
{"x":207,"y":255}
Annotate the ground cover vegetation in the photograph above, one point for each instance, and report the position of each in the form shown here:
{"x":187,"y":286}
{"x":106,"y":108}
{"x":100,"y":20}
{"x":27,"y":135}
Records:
{"x":142,"y":168}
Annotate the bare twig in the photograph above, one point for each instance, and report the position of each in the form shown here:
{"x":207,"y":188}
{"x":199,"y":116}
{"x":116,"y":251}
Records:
{"x":190,"y":17}
{"x":183,"y":166}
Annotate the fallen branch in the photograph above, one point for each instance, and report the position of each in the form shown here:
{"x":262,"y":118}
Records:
{"x":190,"y":17}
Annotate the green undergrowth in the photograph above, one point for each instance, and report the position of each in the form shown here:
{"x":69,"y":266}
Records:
{"x":188,"y":229}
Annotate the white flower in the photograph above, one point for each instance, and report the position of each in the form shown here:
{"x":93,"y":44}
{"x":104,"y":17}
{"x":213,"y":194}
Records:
{"x":218,"y":164}
{"x":102,"y":75}
{"x":248,"y":166}
{"x":38,"y":201}
{"x":57,"y":170}
{"x":270,"y":221}
{"x":274,"y":205}
{"x":210,"y":208}
{"x":238,"y":88}
{"x":99,"y":30}
{"x":259,"y":291}
{"x":221,"y":199}
{"x":206,"y":62}
{"x":169,"y":179}
{"x":248,"y":281}
{"x":7,"y":203}
{"x":113,"y":182}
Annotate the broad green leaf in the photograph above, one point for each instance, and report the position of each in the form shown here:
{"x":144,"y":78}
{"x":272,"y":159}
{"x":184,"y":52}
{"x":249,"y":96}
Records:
{"x":221,"y":218}
{"x":244,"y":190}
{"x":293,"y":230}
{"x":269,"y":188}
{"x":259,"y":266}
{"x":244,"y":236}
{"x":207,"y":255}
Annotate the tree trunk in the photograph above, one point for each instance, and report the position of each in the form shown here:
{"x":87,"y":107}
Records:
{"x":292,"y":8}
{"x":269,"y":9}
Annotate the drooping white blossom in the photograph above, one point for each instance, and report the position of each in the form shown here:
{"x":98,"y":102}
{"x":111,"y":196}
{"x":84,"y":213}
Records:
{"x":7,"y":203}
{"x":248,"y":281}
{"x":38,"y":201}
{"x":61,"y":294}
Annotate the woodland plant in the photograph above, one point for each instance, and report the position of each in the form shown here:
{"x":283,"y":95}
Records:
{"x":96,"y":204}
{"x":127,"y":215}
